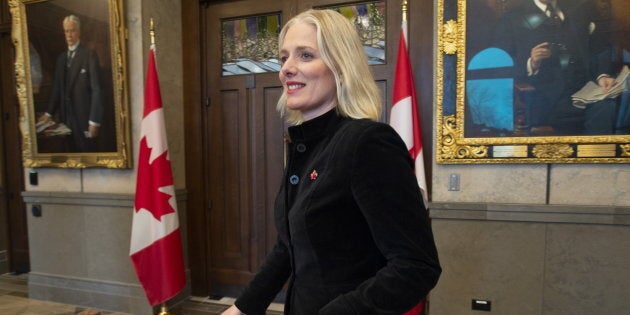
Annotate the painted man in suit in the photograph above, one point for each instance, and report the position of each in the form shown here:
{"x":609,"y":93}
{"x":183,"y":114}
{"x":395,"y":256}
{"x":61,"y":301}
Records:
{"x":77,"y":94}
{"x":557,"y":48}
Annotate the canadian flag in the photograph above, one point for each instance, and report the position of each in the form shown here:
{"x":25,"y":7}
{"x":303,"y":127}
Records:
{"x":405,"y":120}
{"x":156,"y":246}
{"x":404,"y":116}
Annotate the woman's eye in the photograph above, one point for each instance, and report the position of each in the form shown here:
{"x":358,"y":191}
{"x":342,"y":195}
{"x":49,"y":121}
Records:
{"x":283,"y":59}
{"x":307,"y":55}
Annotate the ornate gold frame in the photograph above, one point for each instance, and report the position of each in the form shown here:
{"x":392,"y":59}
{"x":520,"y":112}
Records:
{"x":454,"y":148}
{"x":121,"y":157}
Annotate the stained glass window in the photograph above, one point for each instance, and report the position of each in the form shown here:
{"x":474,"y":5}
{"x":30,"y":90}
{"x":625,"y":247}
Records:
{"x":250,"y":45}
{"x":369,"y":19}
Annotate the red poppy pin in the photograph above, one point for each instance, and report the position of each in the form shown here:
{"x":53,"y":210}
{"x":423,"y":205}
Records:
{"x":313,"y":175}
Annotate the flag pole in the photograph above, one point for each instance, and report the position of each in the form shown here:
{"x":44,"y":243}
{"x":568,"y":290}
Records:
{"x":152,"y":31}
{"x":164,"y":310}
{"x":156,"y":247}
{"x":404,"y":10}
{"x":163,"y":307}
{"x":403,"y":126}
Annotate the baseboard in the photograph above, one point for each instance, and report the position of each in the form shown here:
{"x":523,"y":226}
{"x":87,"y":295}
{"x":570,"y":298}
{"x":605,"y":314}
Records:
{"x":4,"y":262}
{"x":91,"y":293}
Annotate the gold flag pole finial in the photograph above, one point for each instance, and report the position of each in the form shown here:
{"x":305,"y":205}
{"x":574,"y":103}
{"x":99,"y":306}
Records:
{"x":152,"y":31}
{"x":163,"y":308}
{"x":404,"y":10}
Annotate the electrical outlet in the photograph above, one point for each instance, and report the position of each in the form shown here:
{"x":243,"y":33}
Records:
{"x":481,"y":305}
{"x":453,"y":182}
{"x":32,"y":177}
{"x":36,"y":210}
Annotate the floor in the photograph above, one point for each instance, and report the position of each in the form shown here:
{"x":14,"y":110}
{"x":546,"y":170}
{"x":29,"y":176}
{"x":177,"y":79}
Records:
{"x":14,"y":301}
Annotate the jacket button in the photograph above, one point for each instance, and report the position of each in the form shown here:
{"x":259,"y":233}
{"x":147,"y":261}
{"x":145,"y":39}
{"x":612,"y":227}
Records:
{"x":301,"y":147}
{"x":294,"y":179}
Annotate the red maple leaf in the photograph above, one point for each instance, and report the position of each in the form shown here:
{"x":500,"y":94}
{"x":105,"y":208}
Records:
{"x":150,"y":178}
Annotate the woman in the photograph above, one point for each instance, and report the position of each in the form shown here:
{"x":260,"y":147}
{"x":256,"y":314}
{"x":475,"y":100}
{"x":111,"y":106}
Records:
{"x":353,"y":233}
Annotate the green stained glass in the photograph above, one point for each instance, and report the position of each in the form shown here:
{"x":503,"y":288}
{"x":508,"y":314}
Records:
{"x":369,"y":19}
{"x":250,"y":45}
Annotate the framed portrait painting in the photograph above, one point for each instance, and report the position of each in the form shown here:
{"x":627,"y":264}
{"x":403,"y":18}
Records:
{"x":71,"y":83}
{"x":533,"y":81}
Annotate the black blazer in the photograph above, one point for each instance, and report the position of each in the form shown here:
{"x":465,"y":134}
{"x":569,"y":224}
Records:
{"x":77,"y":93}
{"x":353,"y":233}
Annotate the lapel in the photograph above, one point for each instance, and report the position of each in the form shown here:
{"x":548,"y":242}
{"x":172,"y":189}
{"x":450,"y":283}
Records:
{"x":531,"y":17}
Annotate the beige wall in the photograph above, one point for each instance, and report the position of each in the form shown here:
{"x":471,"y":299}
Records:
{"x":79,"y":250}
{"x":533,"y":239}
{"x":532,"y":268}
{"x":569,"y":184}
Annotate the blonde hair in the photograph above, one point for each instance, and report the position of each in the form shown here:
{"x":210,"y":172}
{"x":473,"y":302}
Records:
{"x":341,"y":50}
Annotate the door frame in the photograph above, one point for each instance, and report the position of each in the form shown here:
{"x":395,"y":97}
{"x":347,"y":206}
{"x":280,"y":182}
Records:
{"x":12,"y":207}
{"x":421,"y":46}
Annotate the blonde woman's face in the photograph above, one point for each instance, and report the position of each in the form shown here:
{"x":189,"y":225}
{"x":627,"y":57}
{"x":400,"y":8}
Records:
{"x":308,"y":83}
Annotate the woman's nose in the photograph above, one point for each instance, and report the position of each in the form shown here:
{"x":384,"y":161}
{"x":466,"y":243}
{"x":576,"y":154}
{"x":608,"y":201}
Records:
{"x":288,"y":67}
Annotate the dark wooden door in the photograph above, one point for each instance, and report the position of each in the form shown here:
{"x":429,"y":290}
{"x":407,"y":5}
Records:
{"x":244,"y":152}
{"x":11,"y":172}
{"x":234,"y":166}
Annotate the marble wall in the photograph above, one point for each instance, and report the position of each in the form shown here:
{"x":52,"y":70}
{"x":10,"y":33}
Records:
{"x":569,"y":184}
{"x":533,"y":239}
{"x":532,"y":268}
{"x":79,"y":250}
